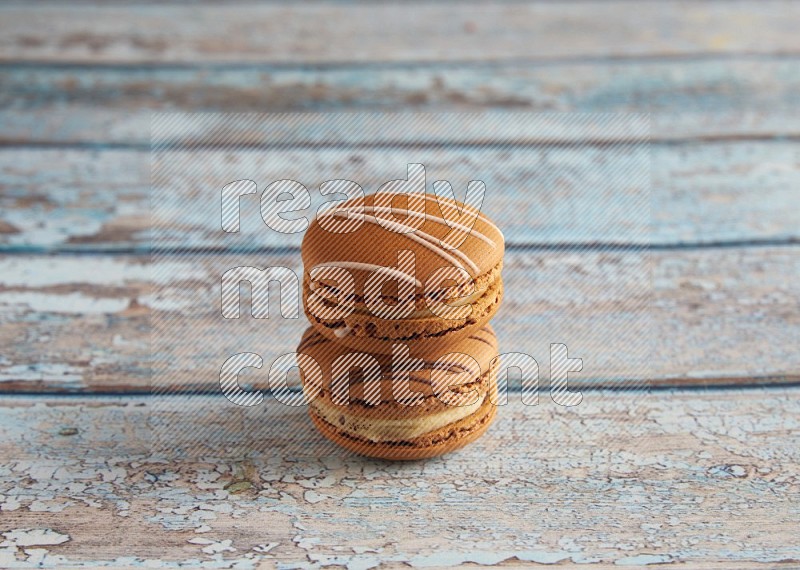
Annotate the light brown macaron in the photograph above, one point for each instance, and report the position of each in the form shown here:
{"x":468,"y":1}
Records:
{"x":387,"y":268}
{"x":382,"y":406}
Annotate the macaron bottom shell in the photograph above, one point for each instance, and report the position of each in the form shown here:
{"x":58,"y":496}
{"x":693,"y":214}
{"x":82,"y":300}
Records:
{"x":443,"y":440}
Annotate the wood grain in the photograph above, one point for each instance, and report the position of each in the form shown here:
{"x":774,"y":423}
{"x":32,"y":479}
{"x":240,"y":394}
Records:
{"x":697,"y":475}
{"x":708,"y":479}
{"x":330,"y":32}
{"x":694,"y":99}
{"x":84,"y":200}
{"x":715,"y":317}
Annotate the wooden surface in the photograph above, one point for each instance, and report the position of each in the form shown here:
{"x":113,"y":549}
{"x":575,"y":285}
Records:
{"x":431,"y":31}
{"x":702,"y":471}
{"x":706,"y":479}
{"x":696,"y":98}
{"x":719,"y":316}
{"x":701,"y":193}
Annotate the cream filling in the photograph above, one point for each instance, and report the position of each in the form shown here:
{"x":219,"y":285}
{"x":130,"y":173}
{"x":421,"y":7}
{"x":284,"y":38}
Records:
{"x":425,"y":313}
{"x":377,"y":429}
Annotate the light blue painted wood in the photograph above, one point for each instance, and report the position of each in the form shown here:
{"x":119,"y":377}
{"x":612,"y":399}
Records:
{"x":334,"y":32}
{"x":748,"y":97}
{"x":710,"y":317}
{"x":704,"y":193}
{"x":620,"y":480}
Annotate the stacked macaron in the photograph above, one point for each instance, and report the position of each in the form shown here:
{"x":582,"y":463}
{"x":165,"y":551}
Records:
{"x":400,"y":362}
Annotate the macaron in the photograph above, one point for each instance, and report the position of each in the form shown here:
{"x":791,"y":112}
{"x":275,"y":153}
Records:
{"x":409,"y":405}
{"x":378,"y":271}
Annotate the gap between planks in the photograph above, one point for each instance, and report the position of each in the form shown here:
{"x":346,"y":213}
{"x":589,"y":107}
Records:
{"x":346,"y":65}
{"x":95,"y":250}
{"x":99,"y":146}
{"x":673,"y":387}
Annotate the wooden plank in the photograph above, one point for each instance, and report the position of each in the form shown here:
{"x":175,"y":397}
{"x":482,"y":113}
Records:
{"x":707,"y":479}
{"x":717,"y":317}
{"x":712,"y":98}
{"x":68,"y":200}
{"x":330,"y":32}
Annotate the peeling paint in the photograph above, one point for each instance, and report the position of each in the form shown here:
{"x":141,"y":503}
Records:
{"x":70,"y":303}
{"x":38,"y":272}
{"x":644,"y":560}
{"x":46,"y":372}
{"x":640,"y":487}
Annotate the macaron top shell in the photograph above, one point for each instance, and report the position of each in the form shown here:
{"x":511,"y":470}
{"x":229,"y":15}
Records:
{"x":479,"y":351}
{"x":385,"y":224}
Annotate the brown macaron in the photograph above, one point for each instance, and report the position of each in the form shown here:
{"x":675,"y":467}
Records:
{"x":409,"y":405}
{"x":387,"y":268}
